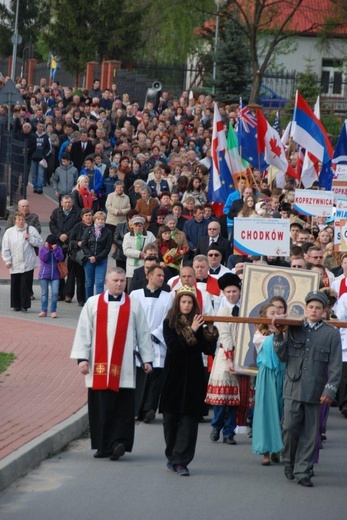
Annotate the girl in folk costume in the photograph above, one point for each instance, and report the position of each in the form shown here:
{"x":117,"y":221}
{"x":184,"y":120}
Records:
{"x":268,"y":409}
{"x":223,"y":387}
{"x":183,"y":388}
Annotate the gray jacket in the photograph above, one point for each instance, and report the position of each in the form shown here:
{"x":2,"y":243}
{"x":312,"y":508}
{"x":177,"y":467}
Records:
{"x":64,"y":179}
{"x":314,"y":362}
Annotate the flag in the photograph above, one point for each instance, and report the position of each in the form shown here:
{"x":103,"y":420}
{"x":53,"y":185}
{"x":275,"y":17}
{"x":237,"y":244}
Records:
{"x":300,"y":161}
{"x":310,"y":166}
{"x":286,"y":134}
{"x":308,"y":131}
{"x":247,"y":136}
{"x":269,"y":143}
{"x":237,"y":166}
{"x":276,"y":124}
{"x":340,"y":154}
{"x":220,"y":182}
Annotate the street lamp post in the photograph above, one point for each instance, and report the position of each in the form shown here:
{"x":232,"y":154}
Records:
{"x":16,"y":39}
{"x":218,"y":3}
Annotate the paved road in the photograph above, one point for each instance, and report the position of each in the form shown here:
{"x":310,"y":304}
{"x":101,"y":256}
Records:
{"x":225,"y":482}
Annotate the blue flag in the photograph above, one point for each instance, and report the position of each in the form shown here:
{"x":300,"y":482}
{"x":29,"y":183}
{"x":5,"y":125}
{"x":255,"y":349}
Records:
{"x":247,"y":130}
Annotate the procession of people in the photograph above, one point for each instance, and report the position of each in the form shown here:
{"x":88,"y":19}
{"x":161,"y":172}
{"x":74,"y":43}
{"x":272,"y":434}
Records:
{"x":132,"y":188}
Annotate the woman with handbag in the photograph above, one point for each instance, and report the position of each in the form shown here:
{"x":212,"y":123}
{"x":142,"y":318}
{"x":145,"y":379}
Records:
{"x":49,"y":254}
{"x":77,"y":257}
{"x":96,"y":245}
{"x":18,"y":253}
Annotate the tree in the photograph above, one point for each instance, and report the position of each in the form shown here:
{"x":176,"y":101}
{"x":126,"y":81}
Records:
{"x":169,"y":29}
{"x":33,"y":16}
{"x":267,"y":24}
{"x":232,"y":63}
{"x":308,"y":83}
{"x":81,"y":31}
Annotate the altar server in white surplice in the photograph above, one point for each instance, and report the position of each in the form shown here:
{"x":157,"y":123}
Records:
{"x":156,"y":304}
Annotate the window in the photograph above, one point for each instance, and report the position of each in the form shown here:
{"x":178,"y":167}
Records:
{"x":332,"y":77}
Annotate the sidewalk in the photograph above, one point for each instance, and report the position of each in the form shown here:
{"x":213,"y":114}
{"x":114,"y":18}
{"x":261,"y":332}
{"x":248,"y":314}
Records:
{"x":42,"y":394}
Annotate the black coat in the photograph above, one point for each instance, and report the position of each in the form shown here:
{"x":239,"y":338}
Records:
{"x":223,"y":244}
{"x":99,"y":248}
{"x":184,"y":385}
{"x":77,"y":155}
{"x":60,"y":224}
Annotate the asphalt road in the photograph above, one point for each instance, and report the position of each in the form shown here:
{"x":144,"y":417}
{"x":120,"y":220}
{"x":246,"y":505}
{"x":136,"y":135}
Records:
{"x":226,"y":482}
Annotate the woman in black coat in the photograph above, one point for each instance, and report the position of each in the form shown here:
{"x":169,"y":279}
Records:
{"x":184,"y":386}
{"x":96,"y":245}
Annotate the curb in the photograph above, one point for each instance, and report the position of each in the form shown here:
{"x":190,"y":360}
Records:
{"x":31,"y":454}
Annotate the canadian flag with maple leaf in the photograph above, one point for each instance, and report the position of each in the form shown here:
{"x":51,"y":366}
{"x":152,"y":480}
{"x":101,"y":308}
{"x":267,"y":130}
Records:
{"x":270,"y":144}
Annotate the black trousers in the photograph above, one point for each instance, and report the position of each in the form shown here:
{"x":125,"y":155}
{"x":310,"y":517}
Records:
{"x":111,"y":419}
{"x":21,"y":287}
{"x":76,"y":273}
{"x":180,"y":433}
{"x":341,"y":397}
{"x":147,"y":391}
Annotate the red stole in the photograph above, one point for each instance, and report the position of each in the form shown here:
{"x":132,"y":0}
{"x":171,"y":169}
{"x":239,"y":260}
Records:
{"x":212,"y":286}
{"x":101,"y":368}
{"x":343,"y":287}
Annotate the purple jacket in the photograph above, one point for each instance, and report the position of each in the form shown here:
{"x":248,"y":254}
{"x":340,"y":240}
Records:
{"x":48,"y":263}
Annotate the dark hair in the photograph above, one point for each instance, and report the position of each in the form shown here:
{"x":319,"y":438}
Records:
{"x":131,"y":213}
{"x":280,"y":299}
{"x":174,"y":312}
{"x":190,"y":186}
{"x":264,"y":328}
{"x":86,"y":210}
{"x":153,"y":267}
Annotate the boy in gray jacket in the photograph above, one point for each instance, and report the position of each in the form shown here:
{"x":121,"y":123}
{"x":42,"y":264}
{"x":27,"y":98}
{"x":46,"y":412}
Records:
{"x":65,"y":177}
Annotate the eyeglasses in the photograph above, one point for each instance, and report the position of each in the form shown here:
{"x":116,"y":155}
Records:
{"x":320,"y":256}
{"x":212,"y":229}
{"x":214,"y":254}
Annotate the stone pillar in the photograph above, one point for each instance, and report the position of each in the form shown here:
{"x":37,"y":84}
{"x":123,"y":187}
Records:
{"x":108,"y":73}
{"x":31,"y":68}
{"x":90,"y":74}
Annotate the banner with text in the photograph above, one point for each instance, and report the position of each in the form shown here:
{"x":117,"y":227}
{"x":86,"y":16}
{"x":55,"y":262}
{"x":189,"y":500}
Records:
{"x":339,"y":184}
{"x":341,"y":213}
{"x":314,"y":203}
{"x":262,"y":236}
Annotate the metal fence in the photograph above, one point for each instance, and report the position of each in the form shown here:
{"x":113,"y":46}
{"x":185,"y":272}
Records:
{"x":14,"y":166}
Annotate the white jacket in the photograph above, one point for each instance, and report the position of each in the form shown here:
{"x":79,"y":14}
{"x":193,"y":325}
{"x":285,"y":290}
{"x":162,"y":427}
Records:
{"x":132,"y":253}
{"x":18,"y":251}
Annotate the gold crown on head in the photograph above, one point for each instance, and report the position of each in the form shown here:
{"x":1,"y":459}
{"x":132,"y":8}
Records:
{"x":187,"y":290}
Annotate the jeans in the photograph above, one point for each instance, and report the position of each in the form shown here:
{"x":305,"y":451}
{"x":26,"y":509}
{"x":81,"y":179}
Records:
{"x":224,"y":418}
{"x":37,"y":175}
{"x":44,"y":284}
{"x":95,"y":274}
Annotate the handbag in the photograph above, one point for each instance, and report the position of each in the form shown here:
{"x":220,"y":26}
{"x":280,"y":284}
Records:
{"x":36,"y":249}
{"x":80,"y":257}
{"x":63,"y":270}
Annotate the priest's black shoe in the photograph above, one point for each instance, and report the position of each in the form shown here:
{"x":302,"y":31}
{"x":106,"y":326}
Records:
{"x":118,"y":452}
{"x":305,"y":482}
{"x":288,"y":471}
{"x":100,"y":455}
{"x":214,"y":435}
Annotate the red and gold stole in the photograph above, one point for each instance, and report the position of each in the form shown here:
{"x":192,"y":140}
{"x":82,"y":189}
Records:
{"x":101,"y":368}
{"x":343,"y":287}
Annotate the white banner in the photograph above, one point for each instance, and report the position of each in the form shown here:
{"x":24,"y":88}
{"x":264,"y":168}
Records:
{"x":313,"y":202}
{"x":262,"y":236}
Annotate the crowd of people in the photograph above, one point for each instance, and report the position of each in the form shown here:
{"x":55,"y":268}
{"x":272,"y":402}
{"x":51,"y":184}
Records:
{"x":132,"y":183}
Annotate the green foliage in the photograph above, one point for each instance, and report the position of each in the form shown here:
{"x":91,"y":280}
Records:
{"x":6,"y":360}
{"x":232,"y":64}
{"x":33,"y":16}
{"x":308,"y":83}
{"x":169,"y":29}
{"x":82,"y":31}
